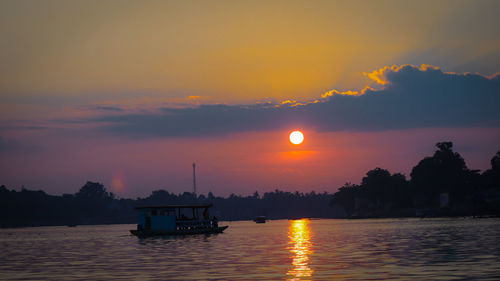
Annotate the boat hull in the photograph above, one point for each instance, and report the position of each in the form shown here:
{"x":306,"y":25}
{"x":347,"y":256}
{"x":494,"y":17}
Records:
{"x":149,"y":233}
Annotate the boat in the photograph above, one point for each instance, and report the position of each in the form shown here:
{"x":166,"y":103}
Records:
{"x":260,"y":219}
{"x":176,"y":220}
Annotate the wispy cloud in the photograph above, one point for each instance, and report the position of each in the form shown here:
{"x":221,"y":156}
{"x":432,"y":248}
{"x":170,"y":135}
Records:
{"x":108,"y":108}
{"x":7,"y":145}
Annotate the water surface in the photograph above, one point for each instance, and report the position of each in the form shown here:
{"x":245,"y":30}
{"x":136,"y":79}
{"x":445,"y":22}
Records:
{"x":428,"y":249}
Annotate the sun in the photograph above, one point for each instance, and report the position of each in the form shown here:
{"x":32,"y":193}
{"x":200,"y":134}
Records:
{"x":296,"y":137}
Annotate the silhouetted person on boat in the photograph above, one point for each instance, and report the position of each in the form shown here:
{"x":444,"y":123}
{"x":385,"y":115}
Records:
{"x":206,"y":218}
{"x":215,"y":222}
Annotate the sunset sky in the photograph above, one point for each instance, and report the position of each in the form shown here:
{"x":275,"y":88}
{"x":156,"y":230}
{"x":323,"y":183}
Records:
{"x":131,"y":93}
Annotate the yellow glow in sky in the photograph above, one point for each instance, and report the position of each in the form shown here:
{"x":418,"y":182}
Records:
{"x":232,"y":51}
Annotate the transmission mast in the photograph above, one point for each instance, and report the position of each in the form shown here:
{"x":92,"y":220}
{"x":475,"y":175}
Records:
{"x":194,"y":179}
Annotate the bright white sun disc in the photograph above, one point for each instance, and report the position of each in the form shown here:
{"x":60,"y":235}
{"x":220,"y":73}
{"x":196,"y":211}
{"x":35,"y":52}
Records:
{"x":296,"y":137}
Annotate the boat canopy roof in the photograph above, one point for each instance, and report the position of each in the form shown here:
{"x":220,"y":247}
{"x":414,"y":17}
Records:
{"x":176,"y":207}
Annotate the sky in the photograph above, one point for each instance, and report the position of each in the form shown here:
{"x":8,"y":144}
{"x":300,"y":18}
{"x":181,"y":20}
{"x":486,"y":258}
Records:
{"x":131,"y":93}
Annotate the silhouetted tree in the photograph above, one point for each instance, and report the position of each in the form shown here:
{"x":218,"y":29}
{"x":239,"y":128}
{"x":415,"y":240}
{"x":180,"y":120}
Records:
{"x":495,"y":162}
{"x":444,"y":172}
{"x":94,"y":202}
{"x":491,"y":177}
{"x":346,"y":196}
{"x":488,"y":197}
{"x":256,"y":195}
{"x":94,"y":191}
{"x":379,"y":193}
{"x":386,"y":190}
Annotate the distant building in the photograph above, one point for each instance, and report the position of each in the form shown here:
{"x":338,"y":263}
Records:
{"x":444,"y":200}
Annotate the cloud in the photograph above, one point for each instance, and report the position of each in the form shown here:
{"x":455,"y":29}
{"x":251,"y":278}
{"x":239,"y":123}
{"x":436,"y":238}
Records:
{"x":409,"y":97}
{"x":380,"y":76}
{"x":12,"y":145}
{"x":107,"y":108}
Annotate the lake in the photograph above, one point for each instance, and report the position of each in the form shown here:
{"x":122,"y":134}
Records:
{"x":418,"y":249}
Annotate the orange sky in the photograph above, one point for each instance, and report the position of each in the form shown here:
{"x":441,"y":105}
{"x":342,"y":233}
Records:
{"x":240,"y":163}
{"x":232,"y":51}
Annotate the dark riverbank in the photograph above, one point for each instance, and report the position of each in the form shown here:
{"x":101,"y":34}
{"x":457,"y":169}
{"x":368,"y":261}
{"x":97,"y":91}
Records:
{"x":439,"y":186}
{"x":94,"y":205}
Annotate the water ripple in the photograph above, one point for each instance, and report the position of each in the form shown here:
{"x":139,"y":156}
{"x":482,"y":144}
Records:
{"x":449,"y":249}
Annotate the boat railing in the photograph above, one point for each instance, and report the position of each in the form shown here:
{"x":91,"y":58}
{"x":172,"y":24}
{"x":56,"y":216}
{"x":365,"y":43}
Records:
{"x":194,"y":224}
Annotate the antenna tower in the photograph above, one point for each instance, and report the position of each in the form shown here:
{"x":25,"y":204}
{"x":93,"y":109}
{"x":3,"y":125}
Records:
{"x":194,"y":179}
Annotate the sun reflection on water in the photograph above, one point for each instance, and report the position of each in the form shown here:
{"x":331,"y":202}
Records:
{"x":300,"y":247}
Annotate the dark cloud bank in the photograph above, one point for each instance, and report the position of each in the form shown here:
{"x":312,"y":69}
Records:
{"x":413,"y":98}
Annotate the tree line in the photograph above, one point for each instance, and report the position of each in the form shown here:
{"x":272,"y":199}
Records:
{"x":439,"y":185}
{"x":93,"y":204}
